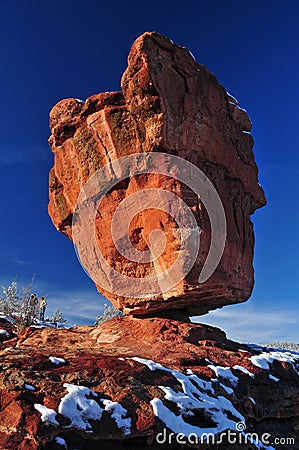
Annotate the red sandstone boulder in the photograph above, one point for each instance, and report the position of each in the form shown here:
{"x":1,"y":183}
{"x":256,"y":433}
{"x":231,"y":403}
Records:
{"x":132,"y":383}
{"x":168,"y":104}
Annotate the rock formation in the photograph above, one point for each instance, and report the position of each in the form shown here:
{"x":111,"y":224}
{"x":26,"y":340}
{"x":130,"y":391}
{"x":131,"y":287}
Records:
{"x":152,"y":382}
{"x":7,"y":329}
{"x":169,"y":103}
{"x":136,"y":383}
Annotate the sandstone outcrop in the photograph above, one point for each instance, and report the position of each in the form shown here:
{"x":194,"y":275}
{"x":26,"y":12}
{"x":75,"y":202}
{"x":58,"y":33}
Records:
{"x":169,"y":103}
{"x":132,"y":382}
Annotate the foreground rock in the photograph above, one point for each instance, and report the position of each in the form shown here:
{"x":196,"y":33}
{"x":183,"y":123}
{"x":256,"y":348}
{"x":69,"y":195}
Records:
{"x":130,"y":383}
{"x":7,"y":328}
{"x":168,"y":103}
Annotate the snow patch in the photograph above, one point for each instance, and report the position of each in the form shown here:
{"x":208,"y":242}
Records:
{"x":238,"y":107}
{"x":8,"y":319}
{"x":150,"y":364}
{"x":244,"y":370}
{"x":118,"y":414}
{"x":56,"y":361}
{"x":232,"y":97}
{"x":78,"y":408}
{"x":272,"y":377}
{"x":28,"y":387}
{"x":227,"y":389}
{"x":265,"y":358}
{"x":262,"y":361}
{"x":4,"y":332}
{"x":225,"y":373}
{"x":61,"y":442}
{"x":48,"y":415}
{"x":193,"y":57}
{"x":194,"y":394}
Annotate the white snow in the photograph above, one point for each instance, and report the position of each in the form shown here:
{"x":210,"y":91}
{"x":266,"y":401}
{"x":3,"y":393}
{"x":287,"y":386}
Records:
{"x":208,"y":361}
{"x":246,"y":132}
{"x":193,"y":57}
{"x":118,"y":414}
{"x":227,"y":389}
{"x":4,"y":332}
{"x":56,"y":361}
{"x":28,"y":387}
{"x":231,"y":96}
{"x":252,"y":399}
{"x":121,"y":359}
{"x":265,"y":358}
{"x":244,"y":370}
{"x":48,"y":415}
{"x":150,"y":364}
{"x":79,"y":100}
{"x":194,"y":394}
{"x":225,"y":373}
{"x":78,"y":408}
{"x":272,"y":377}
{"x":262,"y":361}
{"x":4,"y":317}
{"x":60,"y":441}
{"x":237,"y":106}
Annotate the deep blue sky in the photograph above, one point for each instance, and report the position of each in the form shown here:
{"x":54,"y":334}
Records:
{"x":68,"y":48}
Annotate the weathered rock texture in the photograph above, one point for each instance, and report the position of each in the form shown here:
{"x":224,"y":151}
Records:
{"x":168,"y":103}
{"x":119,"y":362}
{"x":7,"y":329}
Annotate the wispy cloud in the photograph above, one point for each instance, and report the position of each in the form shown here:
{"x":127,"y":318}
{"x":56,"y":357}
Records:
{"x":248,"y":322}
{"x":13,"y":154}
{"x":251,"y":323}
{"x":78,"y":307}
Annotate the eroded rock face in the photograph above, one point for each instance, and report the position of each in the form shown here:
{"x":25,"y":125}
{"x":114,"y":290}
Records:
{"x":169,"y":103}
{"x":121,"y":384}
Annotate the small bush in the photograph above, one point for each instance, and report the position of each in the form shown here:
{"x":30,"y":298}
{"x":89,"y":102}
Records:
{"x":109,"y":313}
{"x":58,"y":317}
{"x":15,"y":304}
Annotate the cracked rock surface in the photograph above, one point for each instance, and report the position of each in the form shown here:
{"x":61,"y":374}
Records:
{"x":121,"y":384}
{"x":168,"y":103}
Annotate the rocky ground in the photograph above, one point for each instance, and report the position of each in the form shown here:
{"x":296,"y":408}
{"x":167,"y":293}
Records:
{"x":132,"y":382}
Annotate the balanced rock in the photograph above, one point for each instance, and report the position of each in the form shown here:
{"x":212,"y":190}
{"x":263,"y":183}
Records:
{"x":169,"y":104}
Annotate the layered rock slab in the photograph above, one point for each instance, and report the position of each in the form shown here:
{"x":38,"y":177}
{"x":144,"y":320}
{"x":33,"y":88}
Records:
{"x":169,"y":103}
{"x":124,"y":383}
